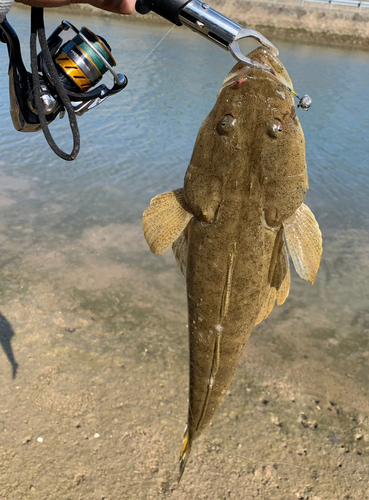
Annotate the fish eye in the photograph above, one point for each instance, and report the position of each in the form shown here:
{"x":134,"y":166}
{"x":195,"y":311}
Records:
{"x":274,"y":128}
{"x":226,"y":125}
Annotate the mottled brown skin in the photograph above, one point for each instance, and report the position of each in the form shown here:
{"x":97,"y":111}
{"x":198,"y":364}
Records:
{"x":243,"y":192}
{"x":243,"y":181}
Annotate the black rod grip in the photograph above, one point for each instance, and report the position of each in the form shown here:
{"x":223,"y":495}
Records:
{"x":168,"y":9}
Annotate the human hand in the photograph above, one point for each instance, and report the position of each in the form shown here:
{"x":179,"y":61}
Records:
{"x":116,"y":6}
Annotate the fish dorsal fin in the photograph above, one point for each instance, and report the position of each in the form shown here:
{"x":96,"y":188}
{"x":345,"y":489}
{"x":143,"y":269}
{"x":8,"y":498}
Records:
{"x":304,"y":242}
{"x":279,"y":279}
{"x":165,"y":219}
{"x":180,"y":250}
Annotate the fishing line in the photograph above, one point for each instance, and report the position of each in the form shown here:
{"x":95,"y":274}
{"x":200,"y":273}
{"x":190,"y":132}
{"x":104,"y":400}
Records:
{"x":151,"y":51}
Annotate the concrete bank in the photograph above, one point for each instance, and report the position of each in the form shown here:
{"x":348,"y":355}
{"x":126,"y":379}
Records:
{"x":313,"y":23}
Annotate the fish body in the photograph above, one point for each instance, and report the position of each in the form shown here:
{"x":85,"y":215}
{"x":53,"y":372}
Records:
{"x":242,"y":197}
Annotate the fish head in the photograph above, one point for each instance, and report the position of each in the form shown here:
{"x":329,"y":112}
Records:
{"x":258,"y":106}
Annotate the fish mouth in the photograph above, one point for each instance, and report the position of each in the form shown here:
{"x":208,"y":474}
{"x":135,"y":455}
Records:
{"x":266,"y":57}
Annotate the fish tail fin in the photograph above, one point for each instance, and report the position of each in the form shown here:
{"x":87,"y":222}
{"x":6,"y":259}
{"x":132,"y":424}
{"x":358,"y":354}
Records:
{"x":185,"y":453}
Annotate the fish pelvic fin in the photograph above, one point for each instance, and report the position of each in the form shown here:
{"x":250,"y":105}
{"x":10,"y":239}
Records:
{"x":279,"y":279}
{"x":180,"y":250}
{"x":185,"y":453}
{"x":304,"y":242}
{"x":284,"y":289}
{"x":165,"y":219}
{"x":267,"y":306}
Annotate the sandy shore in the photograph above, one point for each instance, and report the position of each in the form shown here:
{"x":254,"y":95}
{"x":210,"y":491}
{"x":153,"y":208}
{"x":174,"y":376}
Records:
{"x":312,"y":23}
{"x":96,"y":408}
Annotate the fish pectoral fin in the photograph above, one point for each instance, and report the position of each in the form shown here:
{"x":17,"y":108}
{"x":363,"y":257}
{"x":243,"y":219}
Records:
{"x":304,"y":242}
{"x":165,"y":219}
{"x":180,"y":250}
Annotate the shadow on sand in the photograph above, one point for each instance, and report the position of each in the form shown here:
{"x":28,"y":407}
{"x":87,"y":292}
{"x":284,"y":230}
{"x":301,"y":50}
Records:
{"x":6,"y":334}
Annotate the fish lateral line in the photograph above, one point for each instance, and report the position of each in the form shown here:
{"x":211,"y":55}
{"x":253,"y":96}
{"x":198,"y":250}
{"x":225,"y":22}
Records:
{"x":228,"y":284}
{"x":219,"y":329}
{"x":186,"y":448}
{"x":213,"y":372}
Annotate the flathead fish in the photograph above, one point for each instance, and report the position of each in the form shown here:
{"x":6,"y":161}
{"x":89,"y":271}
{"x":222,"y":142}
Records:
{"x":240,"y":206}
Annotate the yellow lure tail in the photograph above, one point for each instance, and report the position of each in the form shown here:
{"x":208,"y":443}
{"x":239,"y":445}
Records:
{"x":185,"y":453}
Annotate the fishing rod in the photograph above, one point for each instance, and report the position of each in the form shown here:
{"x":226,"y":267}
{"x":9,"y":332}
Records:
{"x":64,"y":76}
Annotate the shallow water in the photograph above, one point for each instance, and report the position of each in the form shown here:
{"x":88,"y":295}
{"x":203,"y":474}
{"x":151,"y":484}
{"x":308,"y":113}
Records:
{"x":93,"y":326}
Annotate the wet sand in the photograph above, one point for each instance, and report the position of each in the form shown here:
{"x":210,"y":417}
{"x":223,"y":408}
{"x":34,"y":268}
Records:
{"x":94,"y":364}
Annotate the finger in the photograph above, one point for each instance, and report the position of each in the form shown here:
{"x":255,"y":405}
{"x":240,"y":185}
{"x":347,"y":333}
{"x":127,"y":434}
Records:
{"x":116,"y":6}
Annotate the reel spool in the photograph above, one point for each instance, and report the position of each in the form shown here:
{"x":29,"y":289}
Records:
{"x":80,"y":64}
{"x":79,"y":67}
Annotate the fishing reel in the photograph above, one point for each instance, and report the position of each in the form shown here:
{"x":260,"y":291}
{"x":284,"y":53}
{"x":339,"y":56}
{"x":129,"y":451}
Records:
{"x":64,"y":76}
